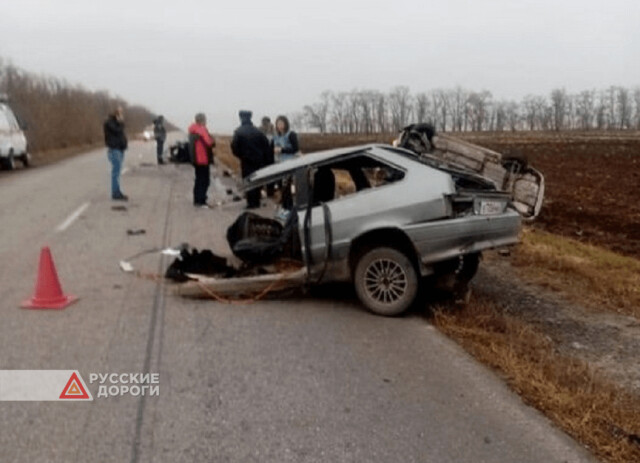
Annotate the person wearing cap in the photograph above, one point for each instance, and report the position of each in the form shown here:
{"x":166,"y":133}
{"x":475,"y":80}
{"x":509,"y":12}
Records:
{"x":252,"y":147}
{"x":201,"y":145}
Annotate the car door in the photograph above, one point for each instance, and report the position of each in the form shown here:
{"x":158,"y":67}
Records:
{"x":314,"y":215}
{"x":5,"y":132}
{"x":18,"y":140}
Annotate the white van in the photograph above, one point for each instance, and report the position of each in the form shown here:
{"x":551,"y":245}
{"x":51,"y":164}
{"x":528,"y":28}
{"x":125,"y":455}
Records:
{"x":13,"y":143}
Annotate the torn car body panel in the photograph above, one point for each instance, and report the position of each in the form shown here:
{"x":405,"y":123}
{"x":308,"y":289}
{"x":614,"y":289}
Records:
{"x":512,"y":175}
{"x":200,"y":286}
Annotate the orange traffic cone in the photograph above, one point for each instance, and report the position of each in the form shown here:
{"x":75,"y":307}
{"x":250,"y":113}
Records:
{"x":48,"y":293}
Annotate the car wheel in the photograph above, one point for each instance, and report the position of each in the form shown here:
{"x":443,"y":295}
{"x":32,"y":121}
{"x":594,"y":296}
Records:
{"x":9,"y":162}
{"x":386,"y":281}
{"x":26,"y":159}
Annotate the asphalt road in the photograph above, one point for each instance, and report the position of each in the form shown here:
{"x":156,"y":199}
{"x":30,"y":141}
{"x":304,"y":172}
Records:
{"x":292,"y":380}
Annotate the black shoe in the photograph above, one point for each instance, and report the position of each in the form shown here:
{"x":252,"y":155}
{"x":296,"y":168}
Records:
{"x":120,"y":197}
{"x":160,"y":161}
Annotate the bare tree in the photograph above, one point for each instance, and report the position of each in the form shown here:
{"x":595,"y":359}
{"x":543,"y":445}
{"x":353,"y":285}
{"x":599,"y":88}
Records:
{"x":636,"y":99}
{"x":421,"y":106}
{"x":477,"y":104}
{"x":458,"y":109}
{"x":60,"y":114}
{"x":400,"y":107}
{"x":559,"y":101}
{"x":339,"y":112}
{"x":624,"y":109}
{"x":316,"y":115}
{"x":442,"y":104}
{"x":381,"y":113}
{"x":585,"y":109}
{"x":458,"y":99}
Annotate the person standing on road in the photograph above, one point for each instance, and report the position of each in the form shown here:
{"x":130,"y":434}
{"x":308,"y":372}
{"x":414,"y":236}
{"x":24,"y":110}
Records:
{"x":251,"y":146}
{"x":201,"y":144}
{"x":285,"y":141}
{"x":160,"y":134}
{"x":116,"y":141}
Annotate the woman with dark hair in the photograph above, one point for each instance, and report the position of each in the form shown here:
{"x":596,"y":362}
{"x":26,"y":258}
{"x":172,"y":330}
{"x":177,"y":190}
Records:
{"x":285,"y":141}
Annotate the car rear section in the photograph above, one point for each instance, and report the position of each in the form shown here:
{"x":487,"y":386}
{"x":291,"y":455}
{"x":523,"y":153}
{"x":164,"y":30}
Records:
{"x":13,"y":143}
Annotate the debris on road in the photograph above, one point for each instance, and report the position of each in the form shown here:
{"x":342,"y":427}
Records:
{"x":126,"y":266}
{"x":202,"y":262}
{"x":179,"y":152}
{"x":137,"y":231}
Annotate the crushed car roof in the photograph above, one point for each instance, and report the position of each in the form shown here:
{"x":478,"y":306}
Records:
{"x":273,"y":171}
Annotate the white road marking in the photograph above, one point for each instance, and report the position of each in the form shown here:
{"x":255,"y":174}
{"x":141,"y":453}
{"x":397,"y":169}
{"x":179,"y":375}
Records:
{"x":72,"y":218}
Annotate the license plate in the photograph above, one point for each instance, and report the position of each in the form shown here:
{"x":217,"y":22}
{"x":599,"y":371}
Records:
{"x":491,"y":207}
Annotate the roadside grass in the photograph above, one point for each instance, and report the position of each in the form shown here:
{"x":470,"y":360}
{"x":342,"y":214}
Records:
{"x":588,"y":274}
{"x":224,"y":155}
{"x":602,"y":416}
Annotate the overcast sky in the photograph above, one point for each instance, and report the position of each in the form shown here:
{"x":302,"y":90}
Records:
{"x":185,"y":56}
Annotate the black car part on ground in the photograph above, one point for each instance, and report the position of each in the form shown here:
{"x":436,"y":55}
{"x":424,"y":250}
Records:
{"x":258,"y":240}
{"x":202,"y":262}
{"x":179,"y":152}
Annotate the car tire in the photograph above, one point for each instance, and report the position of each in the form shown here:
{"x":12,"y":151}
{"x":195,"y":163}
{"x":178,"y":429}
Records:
{"x":386,"y":281}
{"x":9,"y":163}
{"x":26,"y":159}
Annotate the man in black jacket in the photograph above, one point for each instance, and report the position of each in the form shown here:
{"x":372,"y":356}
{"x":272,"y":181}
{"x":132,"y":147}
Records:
{"x":160,"y":134}
{"x":251,"y":146}
{"x":116,"y":141}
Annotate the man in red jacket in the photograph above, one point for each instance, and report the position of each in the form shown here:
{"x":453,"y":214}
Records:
{"x":201,"y":145}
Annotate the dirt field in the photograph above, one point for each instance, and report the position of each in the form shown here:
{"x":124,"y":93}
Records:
{"x":593,"y":183}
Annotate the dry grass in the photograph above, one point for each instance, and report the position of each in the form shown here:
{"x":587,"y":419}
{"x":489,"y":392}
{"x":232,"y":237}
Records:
{"x":224,"y":155}
{"x":588,"y":274}
{"x":601,"y":416}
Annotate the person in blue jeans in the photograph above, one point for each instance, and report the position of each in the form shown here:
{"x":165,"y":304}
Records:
{"x":116,"y":141}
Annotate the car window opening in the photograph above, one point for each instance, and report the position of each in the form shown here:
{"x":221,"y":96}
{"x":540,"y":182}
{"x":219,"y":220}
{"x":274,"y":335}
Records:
{"x":349,"y":176}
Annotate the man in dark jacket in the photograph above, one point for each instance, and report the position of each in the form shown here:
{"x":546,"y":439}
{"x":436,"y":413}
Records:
{"x":160,"y":134}
{"x":252,"y":148}
{"x":116,"y":141}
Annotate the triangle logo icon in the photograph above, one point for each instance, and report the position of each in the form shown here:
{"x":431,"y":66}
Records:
{"x":75,"y":389}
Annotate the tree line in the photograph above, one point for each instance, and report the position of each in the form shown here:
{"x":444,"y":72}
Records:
{"x":58,"y":114}
{"x":458,"y":109}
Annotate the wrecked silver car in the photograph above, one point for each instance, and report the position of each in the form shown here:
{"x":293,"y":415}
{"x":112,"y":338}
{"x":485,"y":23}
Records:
{"x":379,"y":216}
